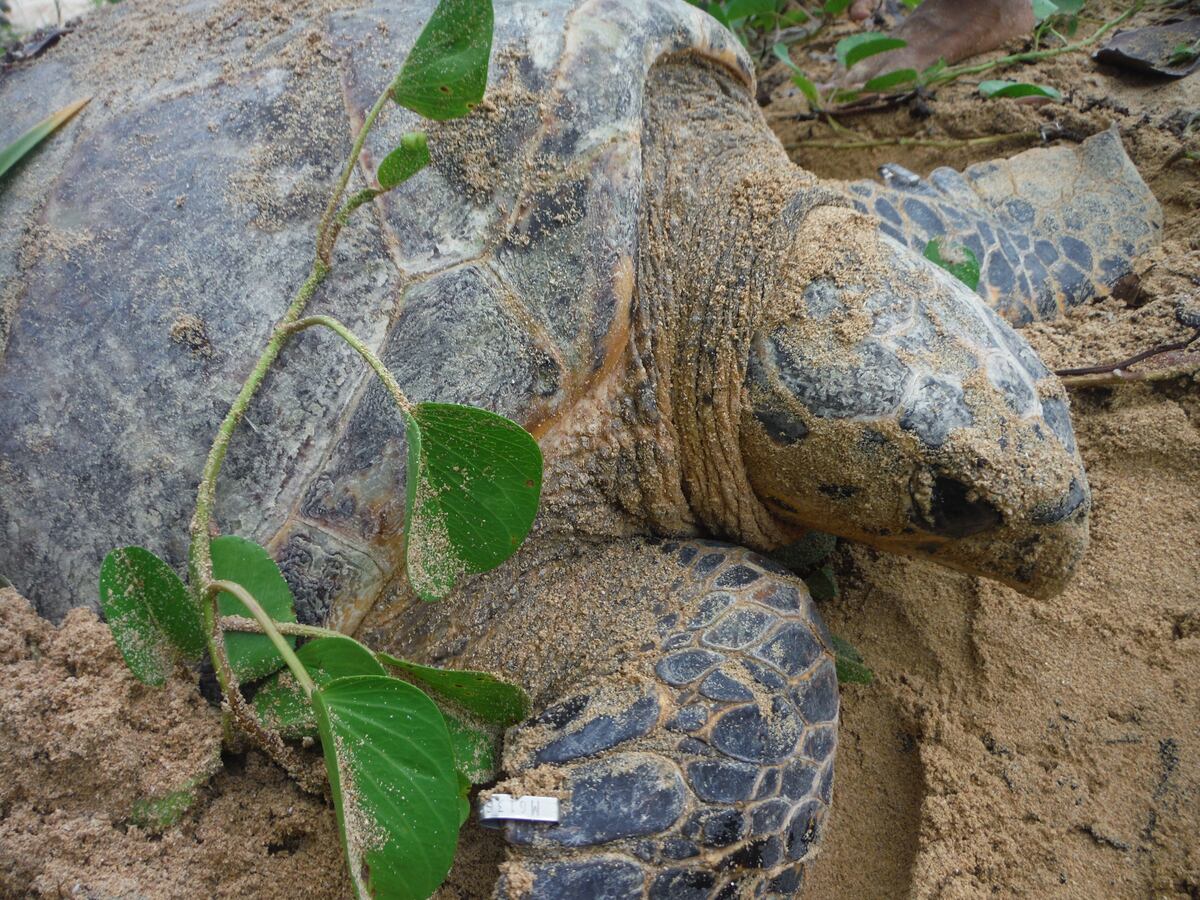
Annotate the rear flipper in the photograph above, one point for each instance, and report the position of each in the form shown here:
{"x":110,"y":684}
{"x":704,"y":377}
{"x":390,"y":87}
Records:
{"x":704,"y":768}
{"x":1051,"y":227}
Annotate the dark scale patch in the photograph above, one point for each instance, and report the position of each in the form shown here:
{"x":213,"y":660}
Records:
{"x":622,"y":796}
{"x":686,"y":666}
{"x":825,"y":788}
{"x":860,"y":206}
{"x":738,"y":576}
{"x":709,"y":608}
{"x":1075,"y":497}
{"x":593,"y":879}
{"x":768,"y":784}
{"x":723,"y":828}
{"x":764,"y":675}
{"x":675,"y":641}
{"x":1019,"y":210}
{"x":822,"y":299}
{"x":861,"y":189}
{"x":788,"y":883}
{"x":975,"y":245}
{"x":998,"y":273}
{"x":767,"y":565}
{"x":709,"y":563}
{"x":686,"y":555}
{"x":804,"y":830}
{"x":817,"y":696}
{"x":1075,"y":285}
{"x":689,"y":718}
{"x":1009,"y":249}
{"x":870,"y":383}
{"x":894,"y":233}
{"x":769,"y":817}
{"x":719,"y":686}
{"x":937,"y":408}
{"x":793,"y":649}
{"x":678,"y":848}
{"x":1017,"y":393}
{"x":683,"y":884}
{"x":887,"y":211}
{"x":739,"y":628}
{"x":798,"y":779}
{"x":667,"y":622}
{"x":985,"y":233}
{"x":783,"y":597}
{"x":1046,"y":252}
{"x":763,"y":853}
{"x":781,"y":426}
{"x":563,"y":713}
{"x":603,"y":732}
{"x":925,"y":217}
{"x":1077,"y":252}
{"x":819,"y":743}
{"x":746,"y":734}
{"x":722,"y":781}
{"x":1055,"y":412}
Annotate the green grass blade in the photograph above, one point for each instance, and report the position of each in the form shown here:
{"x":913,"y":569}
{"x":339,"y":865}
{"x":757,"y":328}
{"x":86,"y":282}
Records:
{"x":15,"y":152}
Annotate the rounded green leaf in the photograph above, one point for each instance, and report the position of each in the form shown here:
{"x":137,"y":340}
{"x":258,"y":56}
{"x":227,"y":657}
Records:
{"x":1017,"y":89}
{"x":280,"y":702}
{"x":479,"y":693}
{"x":445,"y":73}
{"x":149,"y":612}
{"x":244,"y":562}
{"x":858,"y":47}
{"x":891,"y":80}
{"x":956,"y":259}
{"x":474,"y":749}
{"x":474,"y":480}
{"x":849,"y":663}
{"x":394,"y":784}
{"x":405,"y":161}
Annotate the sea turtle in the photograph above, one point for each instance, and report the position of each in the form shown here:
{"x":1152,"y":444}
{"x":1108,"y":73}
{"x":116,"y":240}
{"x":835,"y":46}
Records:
{"x":715,"y":350}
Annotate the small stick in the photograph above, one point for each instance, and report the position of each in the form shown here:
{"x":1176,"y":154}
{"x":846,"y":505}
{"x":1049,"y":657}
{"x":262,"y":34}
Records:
{"x":1105,"y":368}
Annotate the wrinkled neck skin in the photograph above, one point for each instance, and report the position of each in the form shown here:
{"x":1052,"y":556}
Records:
{"x":722,"y":207}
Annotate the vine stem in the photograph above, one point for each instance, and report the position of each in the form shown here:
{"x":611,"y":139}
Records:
{"x":945,"y":143}
{"x":363,"y":350}
{"x":294,"y":629}
{"x":199,"y":554}
{"x":268,"y":625}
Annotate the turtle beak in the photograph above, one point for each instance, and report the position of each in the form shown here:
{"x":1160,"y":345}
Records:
{"x":892,"y":407}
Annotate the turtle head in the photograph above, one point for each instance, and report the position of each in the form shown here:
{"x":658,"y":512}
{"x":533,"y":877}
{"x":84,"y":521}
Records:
{"x":885,"y":403}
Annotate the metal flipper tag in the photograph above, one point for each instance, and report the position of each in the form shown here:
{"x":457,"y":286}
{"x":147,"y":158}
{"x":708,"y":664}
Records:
{"x":500,"y":808}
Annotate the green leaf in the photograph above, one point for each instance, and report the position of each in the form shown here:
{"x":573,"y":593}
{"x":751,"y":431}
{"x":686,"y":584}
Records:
{"x":474,"y":749}
{"x":858,"y":47}
{"x":891,"y":80}
{"x":244,"y":562}
{"x":850,"y":666}
{"x":394,"y":785}
{"x":741,"y":9}
{"x":149,"y":612}
{"x":479,"y":693}
{"x":14,"y":152}
{"x":807,"y":88}
{"x":445,"y":74}
{"x":806,"y":554}
{"x":280,"y":702}
{"x":822,"y":584}
{"x":405,"y":161}
{"x":474,"y":479}
{"x":835,"y":7}
{"x":157,"y":813}
{"x":1045,"y":9}
{"x":956,"y":259}
{"x":1017,"y":89}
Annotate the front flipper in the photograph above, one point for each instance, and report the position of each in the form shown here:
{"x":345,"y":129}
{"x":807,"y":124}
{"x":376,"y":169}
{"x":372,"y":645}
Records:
{"x":703,"y":767}
{"x":1051,"y":226}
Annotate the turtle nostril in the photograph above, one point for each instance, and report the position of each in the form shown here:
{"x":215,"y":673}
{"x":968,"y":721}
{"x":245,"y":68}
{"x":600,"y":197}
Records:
{"x":1050,"y":513}
{"x":953,"y":513}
